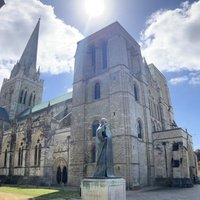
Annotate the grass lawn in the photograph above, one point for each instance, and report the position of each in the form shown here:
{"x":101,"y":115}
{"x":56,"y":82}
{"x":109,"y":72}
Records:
{"x":40,"y":193}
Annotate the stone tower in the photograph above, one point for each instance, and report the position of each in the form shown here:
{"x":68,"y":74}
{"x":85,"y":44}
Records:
{"x":24,"y":88}
{"x":112,"y":80}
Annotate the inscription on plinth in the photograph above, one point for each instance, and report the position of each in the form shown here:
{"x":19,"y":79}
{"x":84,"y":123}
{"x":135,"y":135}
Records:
{"x":103,"y":189}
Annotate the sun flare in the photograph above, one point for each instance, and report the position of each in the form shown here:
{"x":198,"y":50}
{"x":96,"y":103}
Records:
{"x":94,"y":8}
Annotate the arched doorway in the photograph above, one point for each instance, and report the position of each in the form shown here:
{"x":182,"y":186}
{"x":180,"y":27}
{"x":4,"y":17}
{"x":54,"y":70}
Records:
{"x":60,"y":171}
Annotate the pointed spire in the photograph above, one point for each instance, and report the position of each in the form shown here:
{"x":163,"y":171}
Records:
{"x":29,"y":56}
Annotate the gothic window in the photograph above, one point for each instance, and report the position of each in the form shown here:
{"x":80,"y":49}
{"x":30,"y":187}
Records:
{"x":136,"y":92}
{"x":21,"y":96}
{"x":5,"y":158}
{"x":64,"y":175}
{"x":139,"y":129}
{"x":30,"y":100}
{"x":97,"y":93}
{"x":104,"y":54}
{"x":35,"y":156}
{"x":93,"y":58}
{"x":39,"y":154}
{"x":24,"y":100}
{"x":33,"y":100}
{"x":95,"y":125}
{"x":20,"y":156}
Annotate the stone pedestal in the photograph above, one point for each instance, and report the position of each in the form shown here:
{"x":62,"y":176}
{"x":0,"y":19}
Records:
{"x":103,"y":189}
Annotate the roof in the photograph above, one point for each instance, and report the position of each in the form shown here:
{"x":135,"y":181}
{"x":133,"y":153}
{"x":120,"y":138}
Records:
{"x":44,"y":105}
{"x":3,"y":114}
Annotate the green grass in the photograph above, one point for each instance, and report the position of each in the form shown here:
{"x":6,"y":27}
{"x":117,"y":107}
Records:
{"x":39,"y":193}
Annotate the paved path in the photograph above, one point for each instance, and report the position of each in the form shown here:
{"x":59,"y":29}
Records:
{"x":7,"y":196}
{"x":155,"y":193}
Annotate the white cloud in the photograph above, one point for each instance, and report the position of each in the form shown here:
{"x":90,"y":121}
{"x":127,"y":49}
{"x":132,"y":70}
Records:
{"x":178,"y":80}
{"x":171,"y":39}
{"x":57,"y":41}
{"x":192,"y":78}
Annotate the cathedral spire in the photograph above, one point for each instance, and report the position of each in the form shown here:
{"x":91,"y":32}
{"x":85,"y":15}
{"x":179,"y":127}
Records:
{"x":29,"y":56}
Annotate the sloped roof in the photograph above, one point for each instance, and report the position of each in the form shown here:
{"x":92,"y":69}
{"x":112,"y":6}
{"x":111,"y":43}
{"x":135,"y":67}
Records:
{"x":44,"y":105}
{"x":3,"y":114}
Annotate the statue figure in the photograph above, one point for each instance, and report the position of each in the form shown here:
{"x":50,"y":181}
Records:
{"x":104,"y":156}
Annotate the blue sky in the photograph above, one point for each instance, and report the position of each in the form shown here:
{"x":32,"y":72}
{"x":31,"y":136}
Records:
{"x":168,"y":32}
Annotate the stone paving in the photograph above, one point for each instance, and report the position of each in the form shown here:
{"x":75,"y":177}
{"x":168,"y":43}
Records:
{"x":158,"y":193}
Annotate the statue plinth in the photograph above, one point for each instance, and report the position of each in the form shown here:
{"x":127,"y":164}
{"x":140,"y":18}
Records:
{"x":103,"y":189}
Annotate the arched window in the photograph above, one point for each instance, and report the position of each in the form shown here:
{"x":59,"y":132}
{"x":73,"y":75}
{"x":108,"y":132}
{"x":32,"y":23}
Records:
{"x":95,"y":125}
{"x":25,"y":94}
{"x":35,"y":156}
{"x":136,"y":92}
{"x":93,"y":156}
{"x":58,"y":177}
{"x":19,"y":156}
{"x":33,"y":100}
{"x":104,"y":54}
{"x":30,"y":100}
{"x":39,"y":154}
{"x":139,"y":129}
{"x":64,"y":175}
{"x":21,"y":96}
{"x":93,"y":58}
{"x":5,"y":158}
{"x":97,"y":92}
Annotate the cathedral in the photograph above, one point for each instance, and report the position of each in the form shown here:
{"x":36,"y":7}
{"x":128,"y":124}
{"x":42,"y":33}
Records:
{"x":53,"y":142}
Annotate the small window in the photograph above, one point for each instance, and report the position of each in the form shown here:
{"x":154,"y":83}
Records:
{"x":95,"y":125}
{"x":139,"y":129}
{"x":175,"y":147}
{"x":35,"y":156}
{"x":21,"y":96}
{"x":5,"y":158}
{"x":24,"y":100}
{"x":93,"y":58}
{"x":97,"y":94}
{"x":136,"y":93}
{"x":104,"y":54}
{"x":175,"y":163}
{"x":30,"y":100}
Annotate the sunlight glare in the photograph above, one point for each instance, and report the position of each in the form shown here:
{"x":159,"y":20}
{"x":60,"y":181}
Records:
{"x":94,"y":8}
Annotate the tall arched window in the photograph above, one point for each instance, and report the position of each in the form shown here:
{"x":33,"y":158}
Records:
{"x":139,"y":129}
{"x":95,"y":125}
{"x":136,"y":92}
{"x":93,"y":58}
{"x":104,"y":54}
{"x":19,"y":156}
{"x":30,"y":100}
{"x":97,"y":92}
{"x":24,"y":100}
{"x":33,"y":100}
{"x":5,"y":158}
{"x":39,"y":154}
{"x":21,"y":96}
{"x":35,"y":156}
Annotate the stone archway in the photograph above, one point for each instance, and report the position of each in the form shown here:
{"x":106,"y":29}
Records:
{"x":60,"y":171}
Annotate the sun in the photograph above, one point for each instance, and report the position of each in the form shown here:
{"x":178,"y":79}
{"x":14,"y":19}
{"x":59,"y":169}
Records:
{"x":94,"y":8}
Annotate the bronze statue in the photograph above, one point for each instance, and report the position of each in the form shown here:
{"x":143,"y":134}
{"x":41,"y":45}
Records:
{"x":104,"y":156}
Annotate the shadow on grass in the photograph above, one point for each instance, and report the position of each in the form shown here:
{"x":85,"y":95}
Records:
{"x":62,"y":194}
